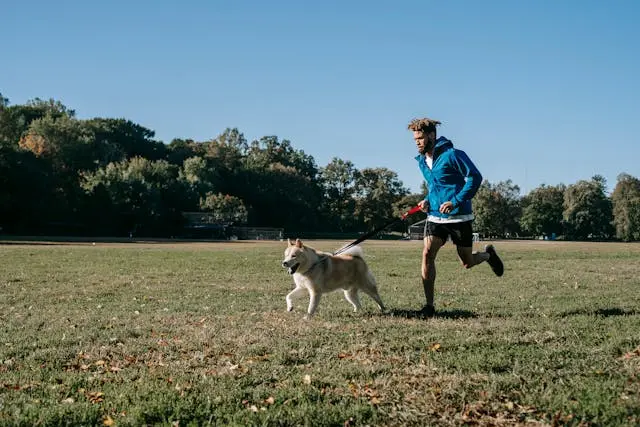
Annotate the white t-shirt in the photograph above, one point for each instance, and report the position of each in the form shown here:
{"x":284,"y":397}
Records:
{"x":451,"y":218}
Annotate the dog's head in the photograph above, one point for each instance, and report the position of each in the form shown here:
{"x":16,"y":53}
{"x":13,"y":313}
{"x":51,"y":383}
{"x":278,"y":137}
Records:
{"x":294,"y":256}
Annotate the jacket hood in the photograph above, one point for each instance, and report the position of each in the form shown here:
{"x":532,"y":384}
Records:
{"x":442,"y":145}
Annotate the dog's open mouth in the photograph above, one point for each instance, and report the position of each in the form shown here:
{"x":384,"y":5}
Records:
{"x":293,"y":268}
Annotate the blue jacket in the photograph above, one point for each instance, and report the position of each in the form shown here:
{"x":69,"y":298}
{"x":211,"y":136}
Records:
{"x":454,"y":178}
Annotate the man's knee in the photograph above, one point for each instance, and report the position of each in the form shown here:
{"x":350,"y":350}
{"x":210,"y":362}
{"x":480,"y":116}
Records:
{"x":429,"y":254}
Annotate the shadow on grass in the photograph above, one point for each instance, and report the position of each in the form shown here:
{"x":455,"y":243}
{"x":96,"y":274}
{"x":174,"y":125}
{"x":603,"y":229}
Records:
{"x":602,"y":312}
{"x":443,"y":314}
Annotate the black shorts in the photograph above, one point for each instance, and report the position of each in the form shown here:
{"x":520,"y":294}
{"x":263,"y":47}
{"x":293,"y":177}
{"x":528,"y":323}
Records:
{"x":461,"y":233}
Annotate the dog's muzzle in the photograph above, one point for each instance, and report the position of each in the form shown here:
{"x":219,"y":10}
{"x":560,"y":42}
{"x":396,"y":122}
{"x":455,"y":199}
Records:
{"x":290,"y":268}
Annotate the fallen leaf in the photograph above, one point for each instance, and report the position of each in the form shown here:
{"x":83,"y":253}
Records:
{"x":632,"y":354}
{"x":270,"y":400}
{"x":108,"y":421}
{"x":434,"y":347}
{"x":354,"y":389}
{"x":95,"y":396}
{"x":307,"y":379}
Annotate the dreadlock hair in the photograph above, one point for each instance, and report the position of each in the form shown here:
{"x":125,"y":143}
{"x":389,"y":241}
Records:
{"x":425,"y":125}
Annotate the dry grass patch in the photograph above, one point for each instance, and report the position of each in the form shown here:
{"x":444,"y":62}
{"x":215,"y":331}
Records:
{"x":197,"y":333}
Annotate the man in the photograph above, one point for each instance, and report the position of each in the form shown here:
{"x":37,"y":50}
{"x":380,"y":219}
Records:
{"x":452,"y":180}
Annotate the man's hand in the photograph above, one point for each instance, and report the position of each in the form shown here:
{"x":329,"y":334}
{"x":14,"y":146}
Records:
{"x":423,"y":205}
{"x":446,"y":207}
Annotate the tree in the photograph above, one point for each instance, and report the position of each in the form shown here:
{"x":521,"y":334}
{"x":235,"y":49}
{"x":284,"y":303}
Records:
{"x":542,"y":211}
{"x":278,"y":184}
{"x":269,"y":150}
{"x":338,"y":180}
{"x":65,"y":144}
{"x":25,"y":191}
{"x":234,"y":138}
{"x":226,"y":154}
{"x":497,"y":209}
{"x":279,"y":196}
{"x":65,"y":141}
{"x":377,"y":189}
{"x":137,"y":195}
{"x":626,"y":207}
{"x":196,"y":170}
{"x":51,"y":106}
{"x":180,"y":150}
{"x":16,"y":119}
{"x":199,"y":178}
{"x":587,"y":210}
{"x":224,"y":208}
{"x":120,"y":139}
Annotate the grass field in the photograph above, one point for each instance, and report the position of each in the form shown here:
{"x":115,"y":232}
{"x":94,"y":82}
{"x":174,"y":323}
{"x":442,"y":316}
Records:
{"x":197,"y":334}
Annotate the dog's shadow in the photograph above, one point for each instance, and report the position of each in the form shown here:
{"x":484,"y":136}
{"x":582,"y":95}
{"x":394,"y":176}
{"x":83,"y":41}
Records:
{"x":443,"y":314}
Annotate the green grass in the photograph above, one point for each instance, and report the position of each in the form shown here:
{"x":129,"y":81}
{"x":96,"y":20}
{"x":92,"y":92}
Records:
{"x":197,"y":334}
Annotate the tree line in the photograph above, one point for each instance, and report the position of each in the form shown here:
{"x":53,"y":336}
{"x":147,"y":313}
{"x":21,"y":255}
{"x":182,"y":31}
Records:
{"x":111,"y":177}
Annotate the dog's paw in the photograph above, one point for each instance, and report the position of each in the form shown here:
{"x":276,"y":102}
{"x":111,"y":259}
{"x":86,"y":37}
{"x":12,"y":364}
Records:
{"x":290,"y":308}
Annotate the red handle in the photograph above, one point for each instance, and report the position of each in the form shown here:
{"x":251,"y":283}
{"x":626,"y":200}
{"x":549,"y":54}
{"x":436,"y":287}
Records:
{"x":411,"y":211}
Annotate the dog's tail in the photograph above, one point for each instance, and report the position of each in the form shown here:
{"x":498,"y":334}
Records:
{"x":354,"y":251}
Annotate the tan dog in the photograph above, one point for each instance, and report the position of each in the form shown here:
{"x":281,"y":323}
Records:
{"x":319,"y":273}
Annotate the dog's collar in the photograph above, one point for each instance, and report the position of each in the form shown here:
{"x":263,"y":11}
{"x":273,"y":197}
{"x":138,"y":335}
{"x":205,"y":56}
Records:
{"x":322,"y":259}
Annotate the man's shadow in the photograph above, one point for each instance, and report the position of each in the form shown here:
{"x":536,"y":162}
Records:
{"x":601,"y":312}
{"x":443,"y":314}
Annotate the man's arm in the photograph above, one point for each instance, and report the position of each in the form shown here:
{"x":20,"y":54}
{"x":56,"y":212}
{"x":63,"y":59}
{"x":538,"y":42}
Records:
{"x":472,"y":175}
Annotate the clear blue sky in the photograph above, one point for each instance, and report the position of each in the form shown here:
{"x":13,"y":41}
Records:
{"x":534,"y":91}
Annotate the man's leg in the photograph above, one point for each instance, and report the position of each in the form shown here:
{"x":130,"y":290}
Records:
{"x":470,"y":258}
{"x":431,"y":246}
{"x":462,"y":236}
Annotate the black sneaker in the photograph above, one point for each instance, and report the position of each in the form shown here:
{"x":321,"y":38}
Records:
{"x":494,"y":260}
{"x":427,"y":311}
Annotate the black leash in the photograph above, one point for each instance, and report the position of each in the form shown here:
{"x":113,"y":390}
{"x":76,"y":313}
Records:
{"x":376,"y":231}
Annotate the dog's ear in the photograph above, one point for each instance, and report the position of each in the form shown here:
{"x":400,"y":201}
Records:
{"x":290,"y":242}
{"x":299,"y":243}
